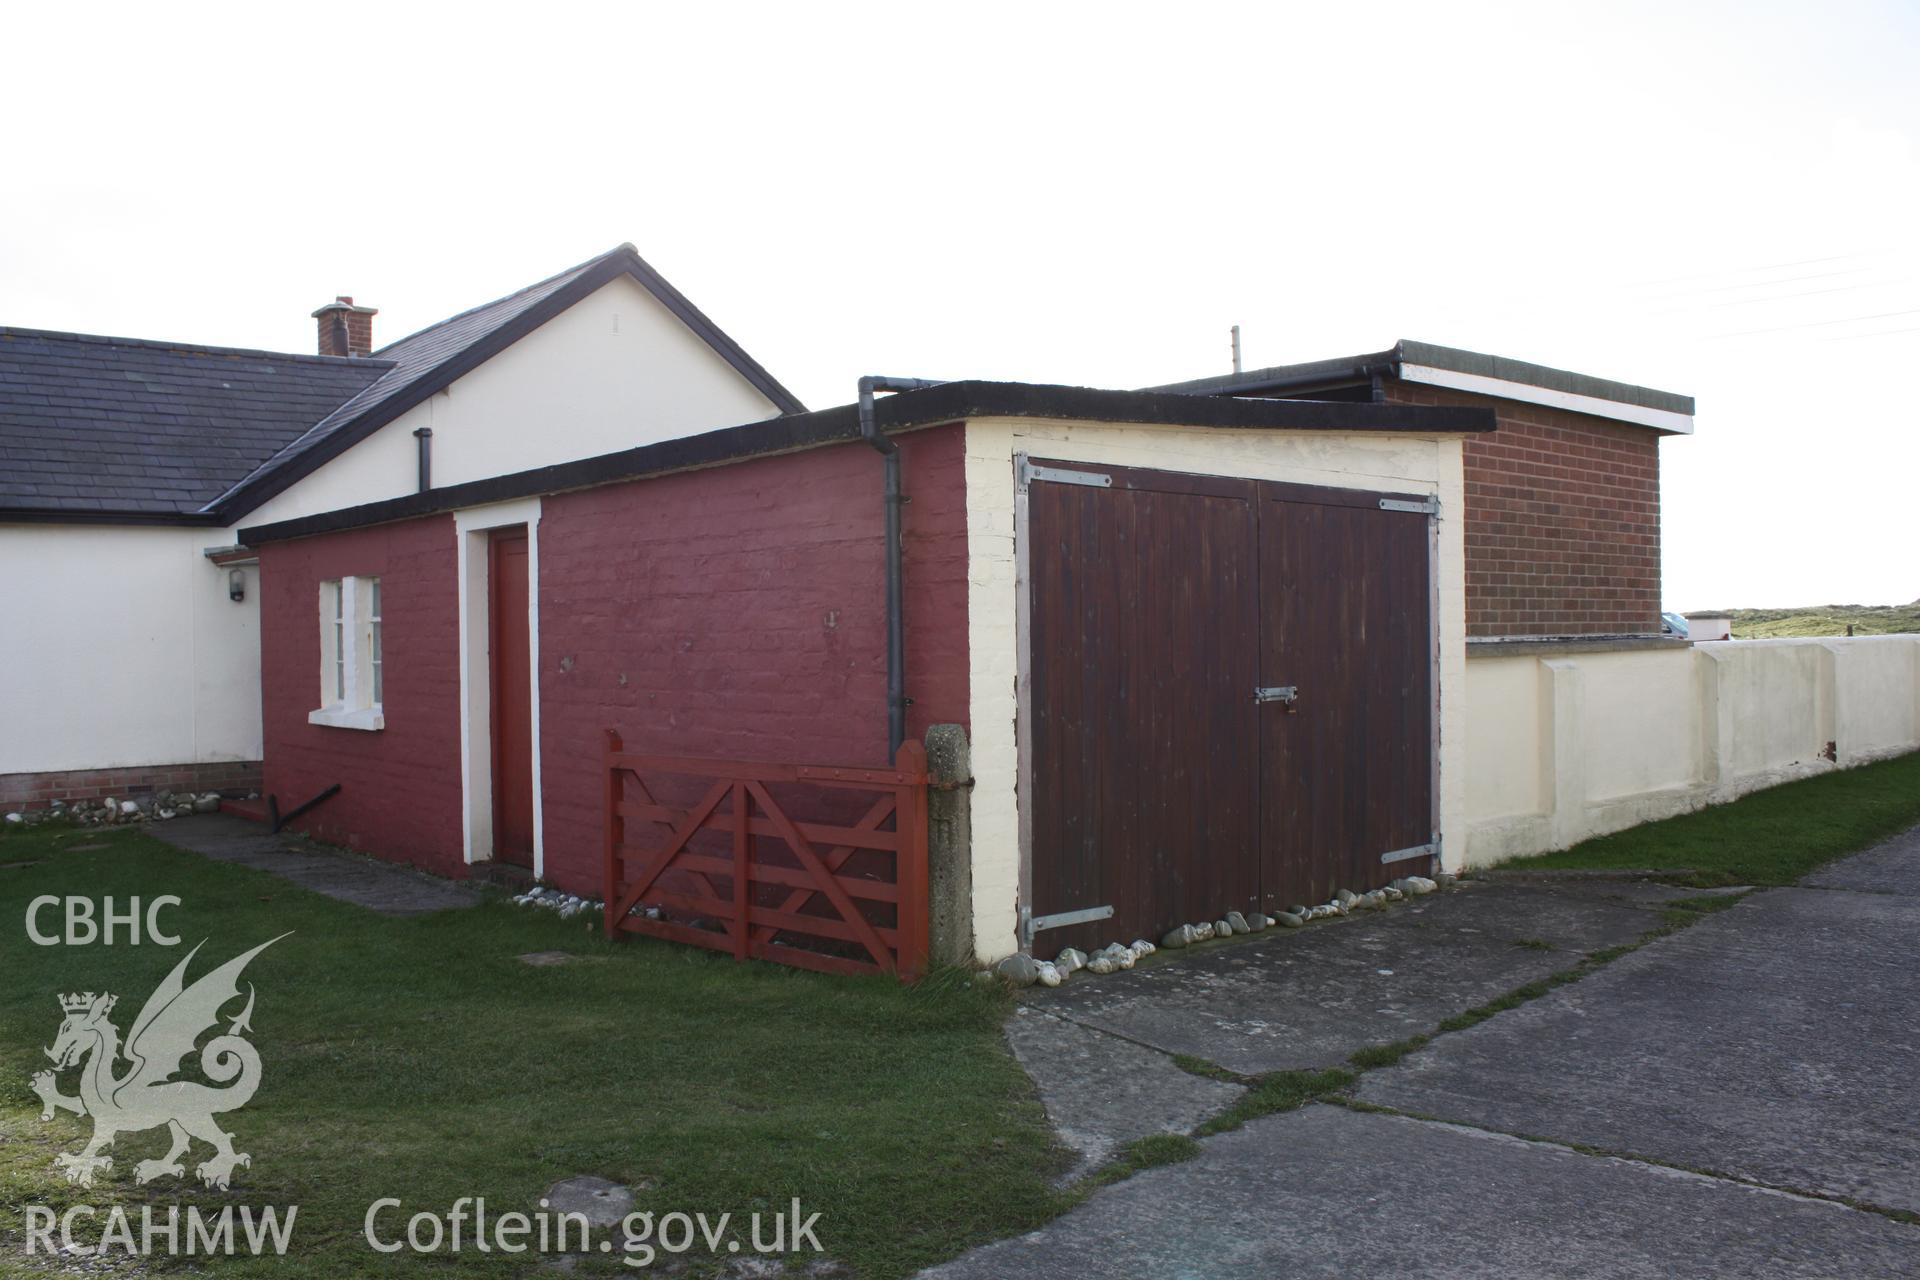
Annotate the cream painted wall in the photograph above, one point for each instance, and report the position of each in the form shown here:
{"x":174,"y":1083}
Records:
{"x":614,"y":371}
{"x":1408,"y":464}
{"x":1576,"y":745}
{"x":122,"y":649}
{"x":145,"y":661}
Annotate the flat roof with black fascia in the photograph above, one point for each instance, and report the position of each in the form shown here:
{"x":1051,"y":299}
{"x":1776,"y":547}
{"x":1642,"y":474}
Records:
{"x":907,"y":411}
{"x":1432,"y":365}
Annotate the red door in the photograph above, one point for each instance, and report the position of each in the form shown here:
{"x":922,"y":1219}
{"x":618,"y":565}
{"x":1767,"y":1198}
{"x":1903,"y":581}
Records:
{"x":512,"y":685}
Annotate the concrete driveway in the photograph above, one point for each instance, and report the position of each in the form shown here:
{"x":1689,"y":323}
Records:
{"x":1739,"y":1098}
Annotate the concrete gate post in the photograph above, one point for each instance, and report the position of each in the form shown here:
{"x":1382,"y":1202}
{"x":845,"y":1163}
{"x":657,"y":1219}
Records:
{"x":950,"y":845}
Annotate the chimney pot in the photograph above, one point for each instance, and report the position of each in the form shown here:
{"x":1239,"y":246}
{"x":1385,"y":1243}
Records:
{"x":344,"y":328}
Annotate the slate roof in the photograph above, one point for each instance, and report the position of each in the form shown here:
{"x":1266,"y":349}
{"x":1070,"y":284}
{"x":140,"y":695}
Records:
{"x":105,"y":429}
{"x":154,"y":428}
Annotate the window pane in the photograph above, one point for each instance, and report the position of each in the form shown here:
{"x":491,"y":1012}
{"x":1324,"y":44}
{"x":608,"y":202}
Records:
{"x":373,"y":608}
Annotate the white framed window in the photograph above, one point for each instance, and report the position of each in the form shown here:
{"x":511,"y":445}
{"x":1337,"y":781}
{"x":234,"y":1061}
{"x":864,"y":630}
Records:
{"x":352,"y":679}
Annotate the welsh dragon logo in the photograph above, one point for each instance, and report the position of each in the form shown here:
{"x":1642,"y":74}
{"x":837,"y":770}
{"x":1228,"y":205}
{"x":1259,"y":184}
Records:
{"x":146,"y":1095}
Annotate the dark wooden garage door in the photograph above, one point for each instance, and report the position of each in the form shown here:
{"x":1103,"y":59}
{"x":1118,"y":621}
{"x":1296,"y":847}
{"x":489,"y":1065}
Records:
{"x":1162,"y":787}
{"x":1144,"y":641}
{"x":1346,"y":619}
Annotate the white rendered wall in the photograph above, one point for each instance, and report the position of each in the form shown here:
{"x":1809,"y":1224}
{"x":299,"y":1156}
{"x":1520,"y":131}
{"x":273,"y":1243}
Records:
{"x":120,"y":648}
{"x":1576,"y":745}
{"x":613,"y":371}
{"x":1403,"y":464}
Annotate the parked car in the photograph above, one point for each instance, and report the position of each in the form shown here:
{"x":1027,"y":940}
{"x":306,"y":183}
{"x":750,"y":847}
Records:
{"x":1672,"y":624}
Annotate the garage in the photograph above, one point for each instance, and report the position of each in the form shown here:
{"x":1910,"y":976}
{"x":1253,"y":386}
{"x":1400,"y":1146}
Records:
{"x":1231,"y":695}
{"x":1180,"y":652}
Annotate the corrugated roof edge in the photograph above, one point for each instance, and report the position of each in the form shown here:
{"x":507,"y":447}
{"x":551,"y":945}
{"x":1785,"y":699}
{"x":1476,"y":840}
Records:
{"x":595,"y":273}
{"x":947,"y":402}
{"x":1451,"y":359}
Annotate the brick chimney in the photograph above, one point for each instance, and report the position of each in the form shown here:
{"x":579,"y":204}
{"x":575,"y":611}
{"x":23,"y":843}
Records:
{"x":345,"y":329}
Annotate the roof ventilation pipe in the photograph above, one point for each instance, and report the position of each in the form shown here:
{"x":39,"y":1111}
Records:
{"x":897,"y":700}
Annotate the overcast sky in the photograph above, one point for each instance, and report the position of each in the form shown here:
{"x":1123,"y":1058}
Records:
{"x":1714,"y":199}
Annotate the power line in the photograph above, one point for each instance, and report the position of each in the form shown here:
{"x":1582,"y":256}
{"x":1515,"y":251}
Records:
{"x":1815,"y":324}
{"x":1776,"y":266}
{"x":1783,"y":297}
{"x":1758,"y":284}
{"x":1877,"y":333}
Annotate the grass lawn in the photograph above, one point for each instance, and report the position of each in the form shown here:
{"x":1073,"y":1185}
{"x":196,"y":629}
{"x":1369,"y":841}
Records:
{"x":1826,"y":620}
{"x":418,"y":1059}
{"x":1770,"y":837}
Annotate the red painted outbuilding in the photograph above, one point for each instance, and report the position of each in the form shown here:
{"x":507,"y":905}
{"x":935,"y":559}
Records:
{"x":453,"y":660}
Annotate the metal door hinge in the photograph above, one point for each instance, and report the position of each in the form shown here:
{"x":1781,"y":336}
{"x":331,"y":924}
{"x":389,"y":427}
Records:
{"x":1417,"y":851}
{"x":1425,"y":506}
{"x":1031,"y":924}
{"x":1025,"y":473}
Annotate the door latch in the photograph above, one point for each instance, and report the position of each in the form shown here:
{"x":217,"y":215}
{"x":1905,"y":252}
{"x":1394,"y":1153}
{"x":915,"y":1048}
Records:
{"x":1286,"y":693}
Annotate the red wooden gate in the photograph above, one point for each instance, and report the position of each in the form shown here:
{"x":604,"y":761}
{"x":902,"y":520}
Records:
{"x":858,"y":907}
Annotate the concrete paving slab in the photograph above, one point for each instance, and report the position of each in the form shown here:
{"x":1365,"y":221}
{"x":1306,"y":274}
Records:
{"x":1288,"y":999}
{"x":1893,"y":867}
{"x":1775,"y":1041}
{"x":1328,"y":1192}
{"x":378,"y":886}
{"x":1102,"y":1093}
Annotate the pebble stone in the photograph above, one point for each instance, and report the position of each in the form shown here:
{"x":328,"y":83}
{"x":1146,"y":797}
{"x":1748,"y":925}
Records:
{"x":1020,"y":970}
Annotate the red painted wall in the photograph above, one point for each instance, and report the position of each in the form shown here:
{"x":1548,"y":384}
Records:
{"x":400,"y":787}
{"x":736,"y":612}
{"x":741,"y":613}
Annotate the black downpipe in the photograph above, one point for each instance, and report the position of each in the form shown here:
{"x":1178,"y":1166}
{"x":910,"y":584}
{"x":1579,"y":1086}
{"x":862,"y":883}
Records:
{"x":897,"y":700}
{"x":425,"y":436}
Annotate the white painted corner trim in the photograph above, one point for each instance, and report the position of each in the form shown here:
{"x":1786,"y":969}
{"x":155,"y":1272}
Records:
{"x":471,"y":528}
{"x":1639,"y":415}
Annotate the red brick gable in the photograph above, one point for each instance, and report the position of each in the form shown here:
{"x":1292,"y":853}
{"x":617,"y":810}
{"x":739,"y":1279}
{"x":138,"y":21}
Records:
{"x":1563,"y":520}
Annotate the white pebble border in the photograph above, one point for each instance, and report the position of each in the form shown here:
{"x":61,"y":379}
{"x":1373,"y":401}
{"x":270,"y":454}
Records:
{"x":1025,"y":971}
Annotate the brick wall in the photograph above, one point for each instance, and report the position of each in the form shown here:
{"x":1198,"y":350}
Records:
{"x":737,"y":612}
{"x":740,"y":612}
{"x":1562,"y":521}
{"x":400,"y":787}
{"x":39,"y":790}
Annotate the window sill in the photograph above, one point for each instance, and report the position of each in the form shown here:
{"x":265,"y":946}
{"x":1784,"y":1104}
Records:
{"x":371,"y":719}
